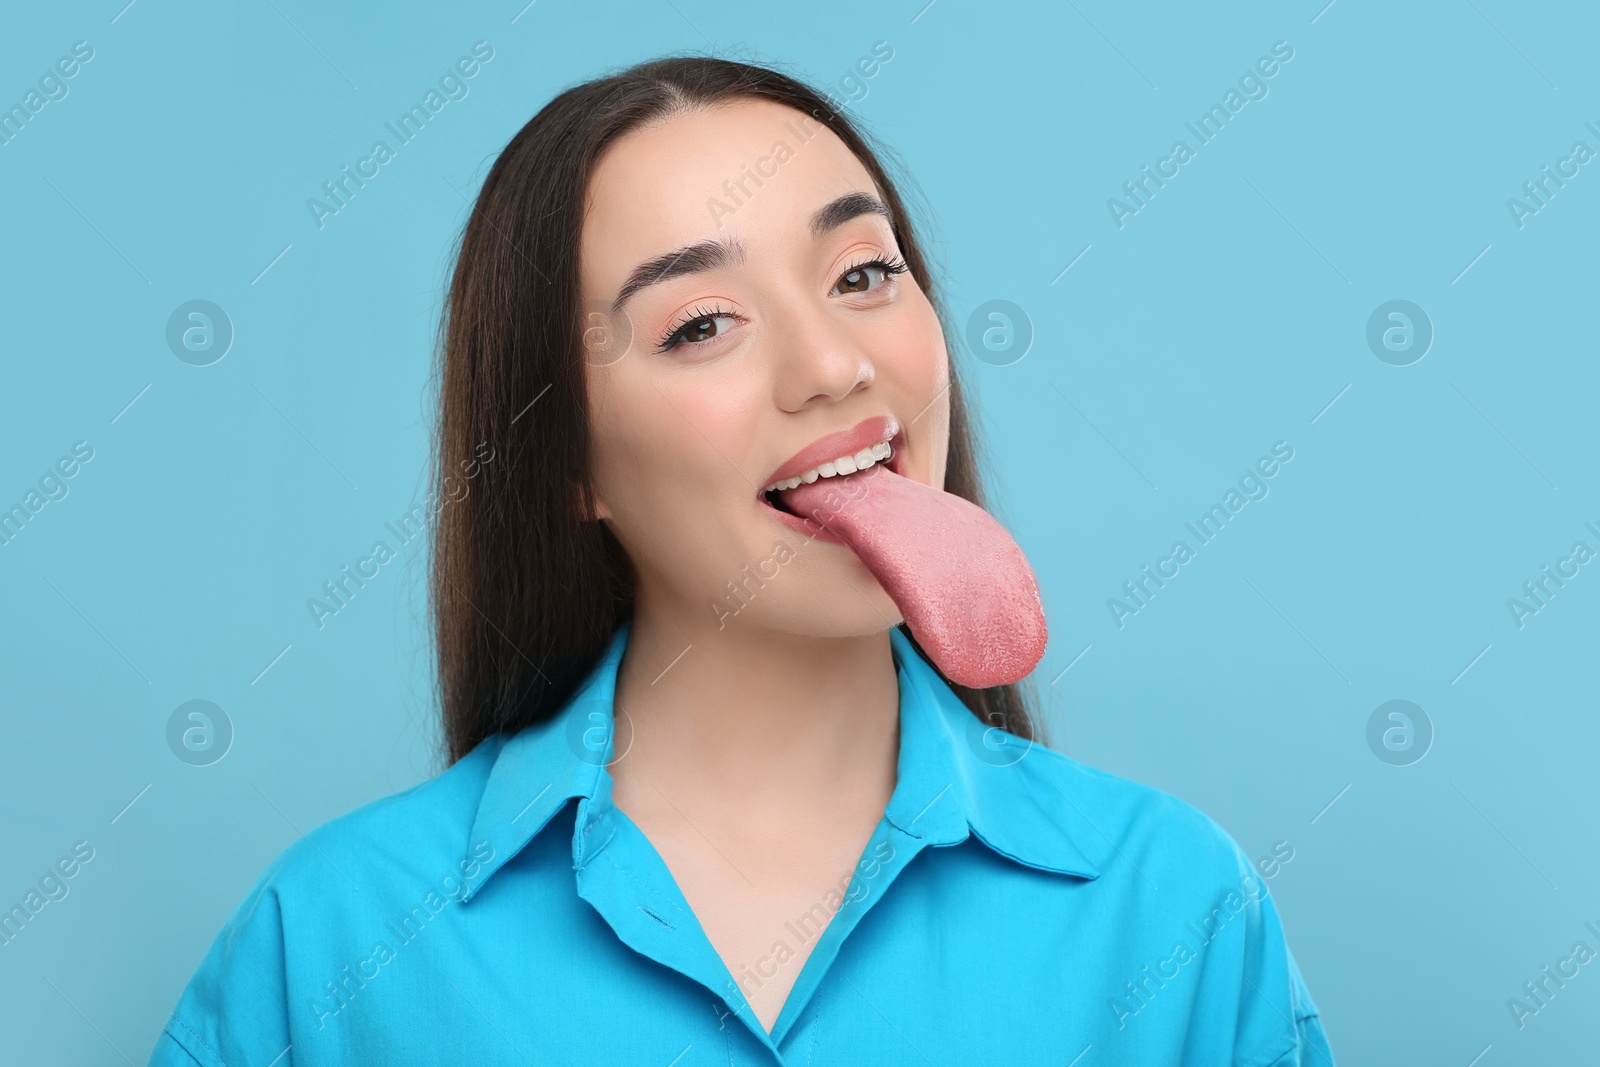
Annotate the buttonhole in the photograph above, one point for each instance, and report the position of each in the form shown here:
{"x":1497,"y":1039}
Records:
{"x":656,"y":917}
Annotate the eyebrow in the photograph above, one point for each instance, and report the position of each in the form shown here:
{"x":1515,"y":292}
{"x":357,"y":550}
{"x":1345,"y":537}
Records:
{"x":712,"y":255}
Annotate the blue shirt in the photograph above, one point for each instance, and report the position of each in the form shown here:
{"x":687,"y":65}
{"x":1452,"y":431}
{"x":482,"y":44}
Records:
{"x":1012,"y":906}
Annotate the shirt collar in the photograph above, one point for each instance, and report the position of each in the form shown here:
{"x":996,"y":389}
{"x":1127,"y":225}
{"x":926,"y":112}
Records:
{"x":955,"y":774}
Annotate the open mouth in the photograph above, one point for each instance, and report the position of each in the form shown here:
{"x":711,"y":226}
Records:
{"x":773,"y":497}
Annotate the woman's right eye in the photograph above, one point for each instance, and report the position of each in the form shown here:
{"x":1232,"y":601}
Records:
{"x":699,"y":330}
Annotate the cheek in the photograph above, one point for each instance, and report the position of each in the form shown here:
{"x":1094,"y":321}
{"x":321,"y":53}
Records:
{"x":936,"y":438}
{"x":912,"y":350}
{"x":915,"y":366}
{"x":635,"y":448}
{"x":664,"y":449}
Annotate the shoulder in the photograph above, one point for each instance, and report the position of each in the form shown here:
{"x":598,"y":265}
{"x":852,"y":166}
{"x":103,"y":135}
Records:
{"x":419,"y":832}
{"x":363,"y":860}
{"x":328,"y":886}
{"x":1126,"y":824}
{"x":1177,"y":873}
{"x":1184,"y":890}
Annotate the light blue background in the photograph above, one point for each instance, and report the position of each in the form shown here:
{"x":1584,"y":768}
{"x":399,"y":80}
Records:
{"x":1225,"y":316}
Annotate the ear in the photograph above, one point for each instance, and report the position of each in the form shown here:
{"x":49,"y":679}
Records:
{"x":599,"y":511}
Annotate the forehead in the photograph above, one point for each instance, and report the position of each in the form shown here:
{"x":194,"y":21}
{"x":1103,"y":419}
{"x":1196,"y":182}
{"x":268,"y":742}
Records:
{"x":752,"y":168}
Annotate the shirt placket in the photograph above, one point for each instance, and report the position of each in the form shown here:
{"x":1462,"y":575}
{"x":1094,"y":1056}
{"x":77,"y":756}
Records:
{"x":889,"y":851}
{"x":625,"y":880}
{"x":627,"y":883}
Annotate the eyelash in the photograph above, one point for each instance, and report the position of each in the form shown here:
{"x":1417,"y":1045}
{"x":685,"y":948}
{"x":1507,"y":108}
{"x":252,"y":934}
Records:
{"x":669,"y":341}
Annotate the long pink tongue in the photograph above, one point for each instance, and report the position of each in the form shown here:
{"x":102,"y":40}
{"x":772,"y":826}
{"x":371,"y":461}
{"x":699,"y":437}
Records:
{"x":958,"y":577}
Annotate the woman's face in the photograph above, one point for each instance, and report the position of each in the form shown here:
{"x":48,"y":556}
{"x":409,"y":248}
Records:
{"x":715,"y":374}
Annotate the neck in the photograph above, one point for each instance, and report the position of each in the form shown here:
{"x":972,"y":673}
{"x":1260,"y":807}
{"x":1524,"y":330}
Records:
{"x":779,"y":728}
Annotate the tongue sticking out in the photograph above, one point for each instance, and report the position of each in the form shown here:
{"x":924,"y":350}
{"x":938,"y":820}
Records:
{"x":958,"y":577}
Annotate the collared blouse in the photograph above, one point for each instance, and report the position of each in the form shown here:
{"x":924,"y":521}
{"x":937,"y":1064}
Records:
{"x":1012,"y":906}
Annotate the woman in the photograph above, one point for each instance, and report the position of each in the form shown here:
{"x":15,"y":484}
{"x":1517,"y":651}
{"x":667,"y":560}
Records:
{"x":738,"y":774}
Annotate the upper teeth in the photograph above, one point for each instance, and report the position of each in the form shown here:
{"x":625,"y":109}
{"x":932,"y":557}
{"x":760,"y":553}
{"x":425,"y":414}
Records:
{"x":843,"y":465}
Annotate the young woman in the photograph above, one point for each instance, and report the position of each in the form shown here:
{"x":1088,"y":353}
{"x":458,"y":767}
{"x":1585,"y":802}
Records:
{"x":738,"y":769}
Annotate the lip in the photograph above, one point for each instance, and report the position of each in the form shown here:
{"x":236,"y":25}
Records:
{"x":864,"y":434}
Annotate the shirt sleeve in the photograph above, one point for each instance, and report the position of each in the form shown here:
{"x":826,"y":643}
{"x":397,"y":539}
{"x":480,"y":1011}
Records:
{"x":233,"y":1011}
{"x":1278,"y":1025}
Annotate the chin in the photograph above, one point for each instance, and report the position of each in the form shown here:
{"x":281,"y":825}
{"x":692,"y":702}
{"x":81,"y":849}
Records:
{"x":848,"y":605}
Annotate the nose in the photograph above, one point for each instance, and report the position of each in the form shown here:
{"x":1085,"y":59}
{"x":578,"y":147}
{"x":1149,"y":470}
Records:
{"x":817,"y":360}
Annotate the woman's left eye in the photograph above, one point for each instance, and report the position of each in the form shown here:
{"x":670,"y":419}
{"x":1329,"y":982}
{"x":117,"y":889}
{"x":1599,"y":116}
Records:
{"x":856,"y":278}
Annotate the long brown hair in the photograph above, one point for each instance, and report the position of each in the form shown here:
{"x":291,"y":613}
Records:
{"x":525,"y":593}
